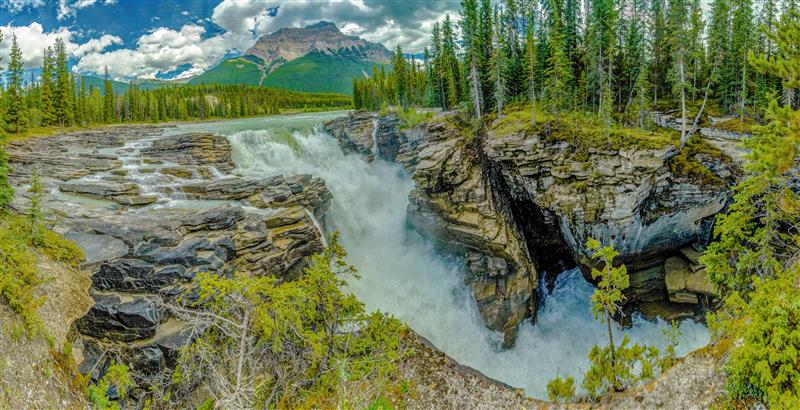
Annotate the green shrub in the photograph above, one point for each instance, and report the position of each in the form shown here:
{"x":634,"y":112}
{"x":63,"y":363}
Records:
{"x":307,"y":343}
{"x":765,"y":365}
{"x":561,"y":390}
{"x":19,"y":276}
{"x":6,"y":192}
{"x":411,"y":117}
{"x":118,"y":377}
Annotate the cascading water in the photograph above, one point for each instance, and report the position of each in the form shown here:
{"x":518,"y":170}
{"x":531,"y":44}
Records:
{"x":402,"y":273}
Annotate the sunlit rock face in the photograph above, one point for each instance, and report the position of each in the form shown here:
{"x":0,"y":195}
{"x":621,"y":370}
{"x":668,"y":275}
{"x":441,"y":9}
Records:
{"x":290,"y":43}
{"x":517,"y":207}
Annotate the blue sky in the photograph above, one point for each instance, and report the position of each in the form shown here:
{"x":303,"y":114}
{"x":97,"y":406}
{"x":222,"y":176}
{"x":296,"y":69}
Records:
{"x":165,"y":39}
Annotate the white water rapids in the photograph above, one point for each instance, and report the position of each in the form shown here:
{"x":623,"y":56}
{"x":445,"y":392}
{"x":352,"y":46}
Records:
{"x":402,"y":273}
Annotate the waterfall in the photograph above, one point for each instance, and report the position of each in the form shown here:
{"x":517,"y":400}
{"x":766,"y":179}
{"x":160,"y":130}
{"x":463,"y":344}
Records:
{"x":376,"y":149}
{"x":403,"y":274}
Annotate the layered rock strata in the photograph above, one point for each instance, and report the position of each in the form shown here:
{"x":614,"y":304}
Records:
{"x":198,"y":218}
{"x":519,"y":207}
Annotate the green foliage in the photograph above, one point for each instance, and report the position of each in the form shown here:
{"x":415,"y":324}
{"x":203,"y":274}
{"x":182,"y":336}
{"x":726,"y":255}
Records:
{"x":764,"y":365}
{"x":756,"y":238}
{"x":35,"y":213}
{"x":6,"y":192}
{"x":410,"y":117}
{"x":608,"y":297}
{"x":19,"y":276}
{"x":117,"y":377}
{"x":620,"y":367}
{"x":561,"y":390}
{"x":298,"y":343}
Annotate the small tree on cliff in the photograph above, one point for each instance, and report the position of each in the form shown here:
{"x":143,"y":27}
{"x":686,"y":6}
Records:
{"x":613,"y":367}
{"x":607,"y":298}
{"x":264,"y":343}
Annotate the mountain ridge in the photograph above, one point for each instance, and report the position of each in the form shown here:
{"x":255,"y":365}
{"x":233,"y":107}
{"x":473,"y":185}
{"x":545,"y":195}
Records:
{"x":314,"y":58}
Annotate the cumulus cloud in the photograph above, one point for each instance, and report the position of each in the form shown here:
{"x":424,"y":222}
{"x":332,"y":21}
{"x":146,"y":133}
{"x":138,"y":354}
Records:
{"x":96,"y":45}
{"x":387,"y":22}
{"x":32,"y":40}
{"x":67,"y":8}
{"x":164,"y":50}
{"x":16,"y":6}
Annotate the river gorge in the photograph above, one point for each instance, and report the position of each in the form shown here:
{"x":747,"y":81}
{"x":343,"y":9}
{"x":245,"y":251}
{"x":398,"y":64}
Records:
{"x":153,"y":205}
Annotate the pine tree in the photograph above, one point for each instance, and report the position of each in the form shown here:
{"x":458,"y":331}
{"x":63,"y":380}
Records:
{"x":499,"y":63}
{"x":6,"y":192}
{"x":557,"y":75}
{"x":485,"y":32}
{"x":608,"y":297}
{"x":63,"y":92}
{"x":17,"y":113}
{"x":659,"y":52}
{"x":109,"y":111}
{"x":785,"y":64}
{"x":48,"y":88}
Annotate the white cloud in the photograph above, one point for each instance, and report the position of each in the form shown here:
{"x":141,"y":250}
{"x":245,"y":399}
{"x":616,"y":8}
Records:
{"x":96,"y":45}
{"x":15,"y":6}
{"x":32,"y":39}
{"x":164,"y":50}
{"x":67,"y":8}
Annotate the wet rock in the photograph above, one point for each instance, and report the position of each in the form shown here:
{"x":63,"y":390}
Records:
{"x":123,"y":193}
{"x":98,"y":248}
{"x":112,"y":319}
{"x":354,"y":133}
{"x":646,"y":285}
{"x":227,"y":188}
{"x":99,"y":189}
{"x":193,"y":149}
{"x":284,"y":192}
{"x":682,"y":283}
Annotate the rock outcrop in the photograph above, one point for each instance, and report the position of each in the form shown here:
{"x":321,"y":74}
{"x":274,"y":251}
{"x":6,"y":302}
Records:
{"x":518,"y":205}
{"x":139,"y":258}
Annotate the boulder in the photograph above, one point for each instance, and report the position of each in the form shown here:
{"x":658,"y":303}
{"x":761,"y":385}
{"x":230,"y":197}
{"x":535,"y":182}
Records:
{"x":98,"y":248}
{"x":192,"y":149}
{"x":112,"y":319}
{"x":683,"y":284}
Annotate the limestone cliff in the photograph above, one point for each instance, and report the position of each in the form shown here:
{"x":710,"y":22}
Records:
{"x":519,"y":204}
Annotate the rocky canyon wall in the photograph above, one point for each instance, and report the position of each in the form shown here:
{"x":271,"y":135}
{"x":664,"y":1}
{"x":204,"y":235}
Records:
{"x":519,"y":207}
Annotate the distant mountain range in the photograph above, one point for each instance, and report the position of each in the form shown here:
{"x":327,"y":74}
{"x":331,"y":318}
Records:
{"x":316,"y":58}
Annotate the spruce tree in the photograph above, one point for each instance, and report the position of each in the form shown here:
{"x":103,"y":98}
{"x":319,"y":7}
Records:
{"x":109,"y":112}
{"x":63,"y":93}
{"x":557,"y":75}
{"x":17,"y":113}
{"x":6,"y":192}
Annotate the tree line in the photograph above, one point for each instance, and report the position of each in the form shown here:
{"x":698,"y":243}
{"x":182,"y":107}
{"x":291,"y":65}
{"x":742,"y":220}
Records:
{"x":617,"y":59}
{"x":59,"y":97}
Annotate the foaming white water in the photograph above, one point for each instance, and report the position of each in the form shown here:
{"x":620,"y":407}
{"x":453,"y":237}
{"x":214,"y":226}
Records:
{"x":401,"y":272}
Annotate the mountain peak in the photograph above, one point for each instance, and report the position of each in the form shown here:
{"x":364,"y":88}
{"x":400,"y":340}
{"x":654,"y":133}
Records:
{"x":291,"y":43}
{"x":322,"y":24}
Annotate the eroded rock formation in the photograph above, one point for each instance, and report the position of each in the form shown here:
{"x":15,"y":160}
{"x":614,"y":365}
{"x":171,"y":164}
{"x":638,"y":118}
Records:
{"x":196,"y":218}
{"x":518,"y":205}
